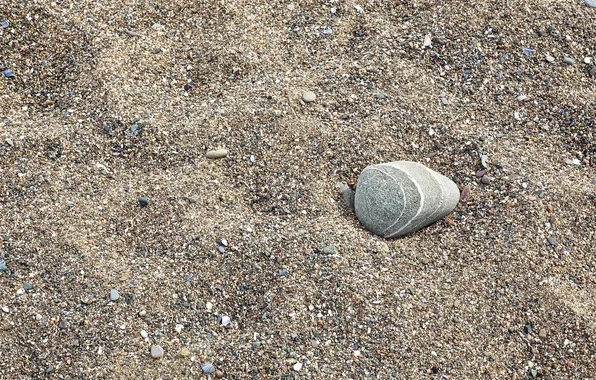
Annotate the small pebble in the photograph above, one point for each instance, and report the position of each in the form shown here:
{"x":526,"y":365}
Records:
{"x":552,"y":240}
{"x":142,"y":313}
{"x":8,"y":73}
{"x":219,"y":374}
{"x":223,"y":242}
{"x":27,"y":286}
{"x":207,"y":368}
{"x":63,"y":324}
{"x":593,"y":71}
{"x":114,"y":295}
{"x":297,"y":367}
{"x":185,"y":352}
{"x":224,"y":320}
{"x":330,"y":250}
{"x":221,"y":249}
{"x":480,"y":173}
{"x":4,"y":24}
{"x":308,"y":96}
{"x":590,"y":3}
{"x":444,"y":101}
{"x":283,"y":272}
{"x":542,"y":333}
{"x":20,"y":291}
{"x":5,"y":309}
{"x":156,"y":351}
{"x":588,"y":60}
{"x":3,"y":266}
{"x":209,"y":306}
{"x":487,"y":179}
{"x":569,"y":61}
{"x":144,"y":334}
{"x":215,"y":154}
{"x":143,"y":202}
{"x":550,"y":59}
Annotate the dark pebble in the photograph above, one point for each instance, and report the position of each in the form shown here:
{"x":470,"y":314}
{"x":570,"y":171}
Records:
{"x":143,"y":202}
{"x":552,"y":241}
{"x":480,"y":173}
{"x":434,"y":370}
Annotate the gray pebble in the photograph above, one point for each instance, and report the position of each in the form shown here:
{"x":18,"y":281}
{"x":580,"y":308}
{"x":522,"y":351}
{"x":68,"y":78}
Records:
{"x":590,"y":3}
{"x":63,"y":324}
{"x":156,"y":351}
{"x":114,"y":295}
{"x":27,"y":286}
{"x":330,"y":250}
{"x":308,"y":96}
{"x":215,"y":154}
{"x":569,"y":61}
{"x":381,"y":95}
{"x":207,"y":368}
{"x":283,"y":272}
{"x":486,"y":179}
{"x":143,"y":202}
{"x":444,"y":101}
{"x":221,"y":249}
{"x":550,"y":59}
{"x":223,"y":242}
{"x":3,"y":266}
{"x":328,"y":31}
{"x":4,"y":24}
{"x":552,"y":240}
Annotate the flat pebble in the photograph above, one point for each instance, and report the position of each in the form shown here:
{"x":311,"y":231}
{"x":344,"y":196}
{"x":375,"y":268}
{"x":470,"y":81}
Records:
{"x":27,"y":286}
{"x":330,"y":250}
{"x":590,"y":3}
{"x":209,"y":305}
{"x":221,"y":249}
{"x":5,"y":309}
{"x":185,"y":352}
{"x":114,"y":295}
{"x":444,"y":101}
{"x":550,"y":59}
{"x":569,"y":61}
{"x":156,"y":351}
{"x":4,"y":24}
{"x":215,"y":154}
{"x":207,"y":368}
{"x":297,"y":367}
{"x":144,"y":334}
{"x":587,"y":60}
{"x":219,"y":374}
{"x":308,"y":96}
{"x":3,"y":266}
{"x":542,"y":333}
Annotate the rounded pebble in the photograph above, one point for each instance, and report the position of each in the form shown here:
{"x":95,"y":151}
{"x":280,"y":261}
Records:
{"x":114,"y":295}
{"x":330,"y":250}
{"x":207,"y":368}
{"x":308,"y":96}
{"x":487,"y":179}
{"x":156,"y":351}
{"x":550,"y":59}
{"x":297,"y":366}
{"x":185,"y":352}
{"x":590,"y":3}
{"x":143,"y":202}
{"x":219,"y":374}
{"x":215,"y":154}
{"x":569,"y":61}
{"x":144,"y":334}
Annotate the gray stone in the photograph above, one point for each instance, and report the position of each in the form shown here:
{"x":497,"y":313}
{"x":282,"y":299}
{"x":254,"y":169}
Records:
{"x":114,"y":295}
{"x":590,"y":3}
{"x":156,"y":351}
{"x":550,"y":59}
{"x":143,"y":202}
{"x":27,"y":286}
{"x":207,"y":368}
{"x":3,"y":266}
{"x":398,"y":198}
{"x":569,"y":61}
{"x":330,"y":250}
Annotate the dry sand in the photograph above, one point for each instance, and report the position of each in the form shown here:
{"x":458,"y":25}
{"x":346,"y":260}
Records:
{"x":116,"y":100}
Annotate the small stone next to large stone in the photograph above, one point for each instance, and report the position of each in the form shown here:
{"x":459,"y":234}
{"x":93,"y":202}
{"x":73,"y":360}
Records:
{"x":399,"y":198}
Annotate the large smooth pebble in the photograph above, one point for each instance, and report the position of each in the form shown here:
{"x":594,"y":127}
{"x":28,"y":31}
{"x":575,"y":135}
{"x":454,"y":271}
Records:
{"x":215,"y":154}
{"x":156,"y":351}
{"x":207,"y":368}
{"x":590,"y":3}
{"x":114,"y":295}
{"x":398,"y":198}
{"x":308,"y":96}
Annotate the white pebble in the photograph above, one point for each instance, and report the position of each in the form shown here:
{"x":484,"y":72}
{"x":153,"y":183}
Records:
{"x":297,"y":367}
{"x":144,"y":334}
{"x":209,"y":306}
{"x":179,"y":328}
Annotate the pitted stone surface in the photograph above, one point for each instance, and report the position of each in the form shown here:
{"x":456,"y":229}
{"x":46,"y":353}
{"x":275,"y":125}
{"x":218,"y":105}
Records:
{"x":399,"y":198}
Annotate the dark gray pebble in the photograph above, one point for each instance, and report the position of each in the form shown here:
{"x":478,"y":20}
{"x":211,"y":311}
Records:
{"x":143,"y":202}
